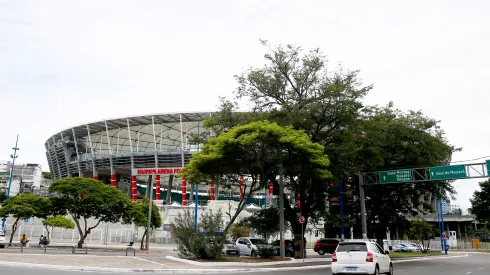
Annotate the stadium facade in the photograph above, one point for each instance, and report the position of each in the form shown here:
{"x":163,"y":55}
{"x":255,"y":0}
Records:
{"x":132,"y":151}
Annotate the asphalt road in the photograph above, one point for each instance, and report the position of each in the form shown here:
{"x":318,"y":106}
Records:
{"x":474,"y":264}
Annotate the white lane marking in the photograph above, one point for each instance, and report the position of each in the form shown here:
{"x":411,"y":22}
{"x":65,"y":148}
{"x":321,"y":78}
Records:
{"x":150,"y":261}
{"x":481,"y":268}
{"x":418,"y":267}
{"x":469,"y":272}
{"x":399,"y":270}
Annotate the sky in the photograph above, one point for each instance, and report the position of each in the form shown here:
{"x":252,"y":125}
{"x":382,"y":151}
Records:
{"x":66,"y":62}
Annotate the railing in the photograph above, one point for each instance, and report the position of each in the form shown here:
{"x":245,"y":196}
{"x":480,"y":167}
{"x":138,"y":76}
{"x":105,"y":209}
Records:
{"x":142,"y":151}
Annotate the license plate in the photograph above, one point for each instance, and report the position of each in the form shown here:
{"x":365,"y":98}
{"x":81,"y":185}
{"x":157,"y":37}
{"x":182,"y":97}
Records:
{"x":232,"y":252}
{"x":350,"y":268}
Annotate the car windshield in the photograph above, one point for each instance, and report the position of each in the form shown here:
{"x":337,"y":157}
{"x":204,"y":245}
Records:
{"x":257,"y":241}
{"x":347,"y":247}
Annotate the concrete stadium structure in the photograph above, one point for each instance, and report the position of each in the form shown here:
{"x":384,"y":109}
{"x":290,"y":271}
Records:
{"x":130,"y":152}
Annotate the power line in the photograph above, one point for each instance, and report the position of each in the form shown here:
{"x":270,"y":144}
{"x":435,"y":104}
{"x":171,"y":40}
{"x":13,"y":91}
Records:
{"x":485,"y":157}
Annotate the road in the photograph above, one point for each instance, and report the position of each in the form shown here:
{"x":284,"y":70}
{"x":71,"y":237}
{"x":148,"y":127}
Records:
{"x":474,"y":264}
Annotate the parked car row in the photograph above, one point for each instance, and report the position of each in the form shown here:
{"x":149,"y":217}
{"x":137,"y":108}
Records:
{"x":407,"y":247}
{"x":248,"y":246}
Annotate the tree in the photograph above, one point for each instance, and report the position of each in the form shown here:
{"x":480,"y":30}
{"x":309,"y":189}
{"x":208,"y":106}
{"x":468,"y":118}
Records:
{"x":265,"y":222}
{"x":206,"y":242}
{"x":3,"y":197}
{"x":141,"y":217}
{"x":258,"y":150}
{"x":389,"y":139}
{"x":421,"y":232}
{"x":85,"y":198}
{"x":47,"y":175}
{"x":57,"y":221}
{"x":239,"y":231}
{"x":480,"y":203}
{"x":301,"y":90}
{"x":457,"y":212}
{"x":22,"y":207}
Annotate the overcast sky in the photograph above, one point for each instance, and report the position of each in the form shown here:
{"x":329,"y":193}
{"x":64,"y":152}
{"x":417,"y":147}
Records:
{"x":63,"y":63}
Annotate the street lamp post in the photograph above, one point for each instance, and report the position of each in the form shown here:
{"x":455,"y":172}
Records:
{"x":282,"y":248}
{"x":11,"y":176}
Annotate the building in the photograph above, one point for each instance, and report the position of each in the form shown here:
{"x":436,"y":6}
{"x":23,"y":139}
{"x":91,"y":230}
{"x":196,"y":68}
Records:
{"x":131,"y":152}
{"x":26,"y":177}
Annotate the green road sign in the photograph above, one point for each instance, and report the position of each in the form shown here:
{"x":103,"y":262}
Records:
{"x":488,"y":167}
{"x":447,"y":172}
{"x":395,"y":176}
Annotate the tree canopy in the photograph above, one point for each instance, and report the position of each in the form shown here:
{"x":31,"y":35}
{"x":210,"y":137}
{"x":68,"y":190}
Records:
{"x":257,"y":150}
{"x":84,"y":198}
{"x":480,"y":203}
{"x":141,"y":217}
{"x":22,"y":207}
{"x":299,"y":89}
{"x":57,"y":221}
{"x":421,"y":232}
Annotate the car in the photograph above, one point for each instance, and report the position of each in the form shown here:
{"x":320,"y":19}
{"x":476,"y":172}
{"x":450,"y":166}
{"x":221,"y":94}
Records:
{"x":361,"y":257}
{"x":248,"y":246}
{"x":289,"y":248}
{"x":323,"y":246}
{"x":399,"y":247}
{"x":230,"y":249}
{"x":410,"y":247}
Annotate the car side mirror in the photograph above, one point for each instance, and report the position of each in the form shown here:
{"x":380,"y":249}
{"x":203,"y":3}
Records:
{"x":387,"y":252}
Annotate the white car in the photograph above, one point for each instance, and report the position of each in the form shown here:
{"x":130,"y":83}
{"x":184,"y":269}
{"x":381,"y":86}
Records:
{"x":361,"y":257}
{"x":249,"y":246}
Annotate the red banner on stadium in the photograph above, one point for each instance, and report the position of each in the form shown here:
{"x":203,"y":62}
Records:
{"x":156,"y":171}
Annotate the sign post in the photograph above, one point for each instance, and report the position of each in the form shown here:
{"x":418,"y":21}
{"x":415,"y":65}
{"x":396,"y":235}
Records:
{"x":395,"y":176}
{"x":488,"y":168}
{"x":447,"y":172}
{"x":301,"y":220}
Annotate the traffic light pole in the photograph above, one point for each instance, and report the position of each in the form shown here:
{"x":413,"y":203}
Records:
{"x":363,"y":207}
{"x":282,"y":248}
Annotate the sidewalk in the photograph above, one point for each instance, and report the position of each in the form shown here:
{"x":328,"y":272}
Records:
{"x":144,"y":262}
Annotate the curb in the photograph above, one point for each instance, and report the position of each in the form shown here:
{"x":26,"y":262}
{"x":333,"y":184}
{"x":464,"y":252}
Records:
{"x":141,"y":270}
{"x":292,"y":261}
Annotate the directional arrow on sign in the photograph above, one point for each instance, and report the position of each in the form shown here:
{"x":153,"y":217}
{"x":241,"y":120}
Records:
{"x":384,"y":177}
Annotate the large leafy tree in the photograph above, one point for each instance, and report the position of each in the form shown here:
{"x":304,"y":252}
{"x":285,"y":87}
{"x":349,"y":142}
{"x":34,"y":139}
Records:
{"x":22,"y":207}
{"x":421,"y":232}
{"x":299,"y":89}
{"x":480,"y":203}
{"x":388,"y":139}
{"x":141,"y":217}
{"x":265,"y":222}
{"x":258,"y":150}
{"x":85,"y":198}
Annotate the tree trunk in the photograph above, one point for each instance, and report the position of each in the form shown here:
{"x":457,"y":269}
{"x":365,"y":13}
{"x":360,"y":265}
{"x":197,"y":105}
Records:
{"x":14,"y":229}
{"x":82,"y":240}
{"x":47,"y":230}
{"x":143,"y":238}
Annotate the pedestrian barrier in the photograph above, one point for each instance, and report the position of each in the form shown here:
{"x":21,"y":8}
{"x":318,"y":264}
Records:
{"x":76,"y":250}
{"x":130,"y":249}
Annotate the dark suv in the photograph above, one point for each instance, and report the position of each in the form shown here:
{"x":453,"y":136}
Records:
{"x":323,"y":246}
{"x":289,"y":248}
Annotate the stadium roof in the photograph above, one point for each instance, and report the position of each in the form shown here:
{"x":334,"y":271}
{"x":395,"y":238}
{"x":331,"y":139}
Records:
{"x":142,"y":125}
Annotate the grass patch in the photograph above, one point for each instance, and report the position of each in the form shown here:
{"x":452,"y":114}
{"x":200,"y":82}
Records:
{"x":398,"y":255}
{"x":244,"y":260}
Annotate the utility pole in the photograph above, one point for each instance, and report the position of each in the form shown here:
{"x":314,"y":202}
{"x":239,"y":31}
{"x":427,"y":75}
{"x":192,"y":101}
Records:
{"x":363,"y":207}
{"x":14,"y":156}
{"x":281,"y":211}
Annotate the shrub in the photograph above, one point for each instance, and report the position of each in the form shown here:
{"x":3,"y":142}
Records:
{"x":205,"y":243}
{"x":265,"y":251}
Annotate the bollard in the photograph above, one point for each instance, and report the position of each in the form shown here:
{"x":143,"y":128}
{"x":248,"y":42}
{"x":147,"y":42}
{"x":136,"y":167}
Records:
{"x":21,"y":248}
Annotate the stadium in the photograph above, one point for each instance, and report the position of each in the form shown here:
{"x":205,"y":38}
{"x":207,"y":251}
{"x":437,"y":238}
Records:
{"x":133,"y":152}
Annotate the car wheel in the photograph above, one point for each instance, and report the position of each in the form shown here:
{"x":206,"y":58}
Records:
{"x":321,"y":251}
{"x":376,"y":271}
{"x":254,"y":254}
{"x":391,"y":270}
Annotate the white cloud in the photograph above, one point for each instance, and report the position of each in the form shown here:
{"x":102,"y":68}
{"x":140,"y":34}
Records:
{"x":63,"y":63}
